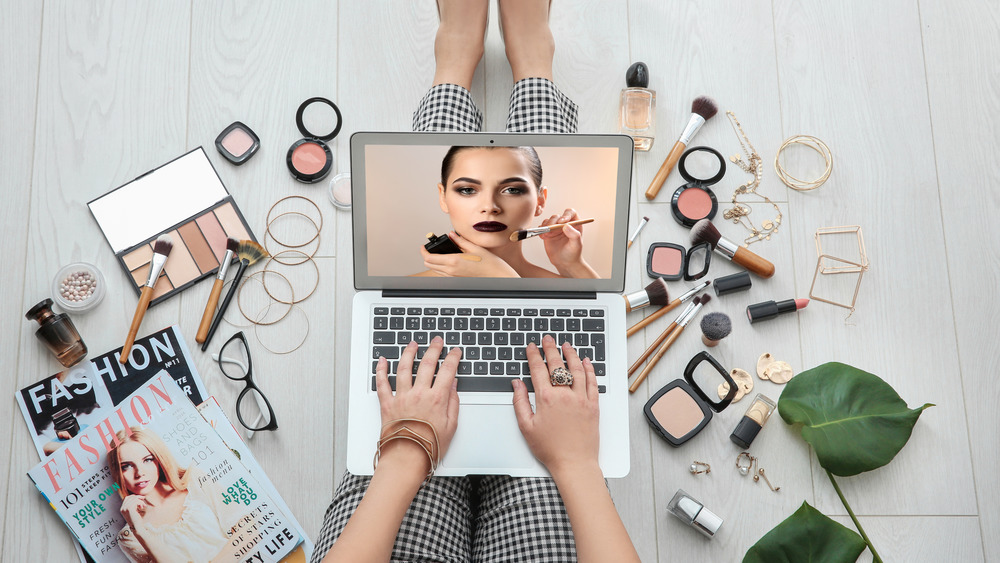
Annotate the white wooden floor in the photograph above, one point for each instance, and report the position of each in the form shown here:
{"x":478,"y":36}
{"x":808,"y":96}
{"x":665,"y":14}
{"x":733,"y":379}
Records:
{"x":904,"y":92}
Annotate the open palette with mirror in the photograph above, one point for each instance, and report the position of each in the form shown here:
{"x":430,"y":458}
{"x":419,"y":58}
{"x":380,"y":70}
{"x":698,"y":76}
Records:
{"x":184,"y":198}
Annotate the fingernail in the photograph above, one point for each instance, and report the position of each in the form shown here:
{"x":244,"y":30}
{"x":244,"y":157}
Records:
{"x":437,"y":339}
{"x":516,"y":384}
{"x":548,"y":337}
{"x":412,"y":344}
{"x":586,"y":360}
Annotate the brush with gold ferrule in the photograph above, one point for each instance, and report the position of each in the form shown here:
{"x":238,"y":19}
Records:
{"x":161,"y":249}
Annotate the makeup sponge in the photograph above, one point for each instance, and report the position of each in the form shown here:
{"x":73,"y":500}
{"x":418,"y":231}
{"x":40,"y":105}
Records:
{"x":715,"y":327}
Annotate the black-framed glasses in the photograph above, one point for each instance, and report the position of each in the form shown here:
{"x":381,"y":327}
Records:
{"x":236,"y":364}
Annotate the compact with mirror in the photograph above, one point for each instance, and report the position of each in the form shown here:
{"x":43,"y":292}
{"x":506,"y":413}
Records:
{"x":672,"y":261}
{"x":701,"y":167}
{"x":310,"y":159}
{"x":683,"y":407}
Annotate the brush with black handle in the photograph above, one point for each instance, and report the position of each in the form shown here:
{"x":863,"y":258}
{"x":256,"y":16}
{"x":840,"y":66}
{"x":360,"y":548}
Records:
{"x":232,"y":245}
{"x":249,"y":252}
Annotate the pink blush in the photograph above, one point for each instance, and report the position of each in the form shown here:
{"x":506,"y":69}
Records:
{"x":667,"y":261}
{"x":695,"y":203}
{"x":309,"y":158}
{"x":237,"y":142}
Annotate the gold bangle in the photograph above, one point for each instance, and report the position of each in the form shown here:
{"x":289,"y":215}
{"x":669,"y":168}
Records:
{"x":404,"y":432}
{"x":814,"y":144}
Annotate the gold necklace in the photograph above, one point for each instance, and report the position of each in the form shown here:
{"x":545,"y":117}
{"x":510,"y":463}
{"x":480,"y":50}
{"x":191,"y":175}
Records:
{"x":740,"y":211}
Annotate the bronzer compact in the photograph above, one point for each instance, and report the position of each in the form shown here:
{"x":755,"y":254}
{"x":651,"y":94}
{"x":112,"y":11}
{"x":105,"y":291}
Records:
{"x":694,"y":200}
{"x":310,"y":159}
{"x":682,"y":408}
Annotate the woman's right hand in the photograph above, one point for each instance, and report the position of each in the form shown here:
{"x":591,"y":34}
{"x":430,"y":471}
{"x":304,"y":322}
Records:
{"x":473,"y":262}
{"x":562,"y":431}
{"x":134,"y":510}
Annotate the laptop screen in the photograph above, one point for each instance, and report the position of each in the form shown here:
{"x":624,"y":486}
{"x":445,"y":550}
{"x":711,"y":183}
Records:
{"x":479,"y":211}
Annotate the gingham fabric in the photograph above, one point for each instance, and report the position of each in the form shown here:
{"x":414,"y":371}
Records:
{"x":516,"y":520}
{"x":536,"y":106}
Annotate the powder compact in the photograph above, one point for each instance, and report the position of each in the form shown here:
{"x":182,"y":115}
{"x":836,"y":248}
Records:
{"x":184,"y":198}
{"x":695,"y":201}
{"x":672,"y":261}
{"x":682,"y":408}
{"x":237,"y":143}
{"x":310,"y":159}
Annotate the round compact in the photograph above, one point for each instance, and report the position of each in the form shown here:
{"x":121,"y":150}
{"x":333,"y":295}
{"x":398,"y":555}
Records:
{"x":695,"y":201}
{"x":340,"y":191}
{"x":78,"y":287}
{"x":310,"y":159}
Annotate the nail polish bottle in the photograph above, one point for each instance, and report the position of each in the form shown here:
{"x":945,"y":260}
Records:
{"x":753,"y":420}
{"x":57,"y":333}
{"x":694,"y":514}
{"x":637,"y":108}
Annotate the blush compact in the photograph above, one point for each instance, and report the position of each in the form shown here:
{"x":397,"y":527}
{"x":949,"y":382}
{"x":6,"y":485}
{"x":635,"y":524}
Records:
{"x":237,"y":143}
{"x":682,"y":408}
{"x":309,"y":159}
{"x":695,"y":201}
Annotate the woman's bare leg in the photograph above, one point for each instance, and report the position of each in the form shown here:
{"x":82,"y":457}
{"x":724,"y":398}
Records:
{"x":458,"y":46}
{"x":527,"y":37}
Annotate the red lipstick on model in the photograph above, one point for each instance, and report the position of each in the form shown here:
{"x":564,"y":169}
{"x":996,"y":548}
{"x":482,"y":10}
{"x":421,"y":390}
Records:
{"x":490,"y":226}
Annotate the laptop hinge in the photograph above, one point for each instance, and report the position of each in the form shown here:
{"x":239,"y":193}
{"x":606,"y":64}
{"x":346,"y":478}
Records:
{"x":470,"y":294}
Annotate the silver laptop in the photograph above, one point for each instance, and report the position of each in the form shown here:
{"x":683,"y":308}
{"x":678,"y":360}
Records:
{"x":494,"y":285}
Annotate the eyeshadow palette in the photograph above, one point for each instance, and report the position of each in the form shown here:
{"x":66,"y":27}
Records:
{"x":184,"y":198}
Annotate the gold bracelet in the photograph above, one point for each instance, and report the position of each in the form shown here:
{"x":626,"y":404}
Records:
{"x":431,"y":448}
{"x":816,"y":145}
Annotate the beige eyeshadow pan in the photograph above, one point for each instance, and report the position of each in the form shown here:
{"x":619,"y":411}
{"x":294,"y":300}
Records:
{"x":180,"y":265}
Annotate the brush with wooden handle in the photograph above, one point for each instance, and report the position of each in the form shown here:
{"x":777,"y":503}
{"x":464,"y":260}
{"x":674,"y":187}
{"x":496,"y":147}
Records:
{"x":669,"y":341}
{"x":703,"y":108}
{"x":705,"y":231}
{"x":663,"y":336}
{"x":161,"y":249}
{"x":666,"y":309}
{"x":249,"y":252}
{"x":534,"y":232}
{"x":213,"y":298}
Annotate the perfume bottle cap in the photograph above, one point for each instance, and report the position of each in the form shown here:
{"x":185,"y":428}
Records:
{"x":41,"y":311}
{"x":637,"y":76}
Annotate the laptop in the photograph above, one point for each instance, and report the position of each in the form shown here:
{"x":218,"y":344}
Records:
{"x":497,"y":294}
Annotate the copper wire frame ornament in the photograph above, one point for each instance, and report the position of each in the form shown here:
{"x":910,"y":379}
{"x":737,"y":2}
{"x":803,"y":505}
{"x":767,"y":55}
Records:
{"x":827,"y":264}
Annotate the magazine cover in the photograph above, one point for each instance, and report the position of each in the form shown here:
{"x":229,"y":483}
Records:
{"x":153,"y":481}
{"x":60,"y":406}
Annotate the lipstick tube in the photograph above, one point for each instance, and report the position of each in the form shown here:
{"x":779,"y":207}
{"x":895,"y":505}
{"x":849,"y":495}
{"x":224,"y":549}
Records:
{"x":770,"y":309}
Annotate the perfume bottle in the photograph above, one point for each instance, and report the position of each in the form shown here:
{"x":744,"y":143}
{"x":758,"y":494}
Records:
{"x":638,"y":107}
{"x":57,"y":333}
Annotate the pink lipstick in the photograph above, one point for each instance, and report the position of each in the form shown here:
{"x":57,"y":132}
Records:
{"x":490,"y":227}
{"x":770,"y":309}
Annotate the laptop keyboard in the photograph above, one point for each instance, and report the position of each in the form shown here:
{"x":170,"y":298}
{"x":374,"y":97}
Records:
{"x":493,"y":340}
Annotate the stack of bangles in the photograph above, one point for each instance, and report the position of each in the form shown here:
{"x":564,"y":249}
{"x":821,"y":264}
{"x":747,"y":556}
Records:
{"x":404,"y":432}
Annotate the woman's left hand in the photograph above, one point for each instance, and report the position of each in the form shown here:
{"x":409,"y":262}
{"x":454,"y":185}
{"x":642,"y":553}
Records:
{"x":564,"y":247}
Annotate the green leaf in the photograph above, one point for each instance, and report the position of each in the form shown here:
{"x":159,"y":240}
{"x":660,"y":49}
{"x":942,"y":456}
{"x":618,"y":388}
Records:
{"x":807,"y":535}
{"x":854,"y":420}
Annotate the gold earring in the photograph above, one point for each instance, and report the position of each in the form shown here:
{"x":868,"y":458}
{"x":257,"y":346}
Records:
{"x":699,"y":467}
{"x":750,"y":462}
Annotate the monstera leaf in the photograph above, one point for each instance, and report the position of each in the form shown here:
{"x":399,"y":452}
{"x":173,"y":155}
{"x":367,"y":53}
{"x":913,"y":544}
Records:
{"x":853,"y":419}
{"x":807,"y":535}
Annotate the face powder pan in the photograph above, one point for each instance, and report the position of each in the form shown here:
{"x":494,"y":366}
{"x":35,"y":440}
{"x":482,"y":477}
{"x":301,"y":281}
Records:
{"x":309,"y":159}
{"x":672,"y":262}
{"x":237,"y":143}
{"x":695,"y":201}
{"x":682,"y":408}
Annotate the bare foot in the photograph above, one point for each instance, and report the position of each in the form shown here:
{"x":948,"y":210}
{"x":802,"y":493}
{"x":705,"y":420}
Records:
{"x":458,"y":46}
{"x":527,"y":37}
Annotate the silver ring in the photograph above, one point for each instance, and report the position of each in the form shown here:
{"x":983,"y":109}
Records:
{"x":561,"y":376}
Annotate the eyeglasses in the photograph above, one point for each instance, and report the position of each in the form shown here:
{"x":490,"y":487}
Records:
{"x":235,"y":363}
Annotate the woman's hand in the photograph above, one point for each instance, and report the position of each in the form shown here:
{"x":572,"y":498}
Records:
{"x":564,"y":247}
{"x":426,"y":397}
{"x":563,"y":430}
{"x":473,"y":262}
{"x":134,"y":510}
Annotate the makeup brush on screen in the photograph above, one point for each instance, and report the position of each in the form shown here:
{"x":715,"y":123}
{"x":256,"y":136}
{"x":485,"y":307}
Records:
{"x":705,"y":231}
{"x":663,"y":336}
{"x":161,"y":249}
{"x":213,"y":298}
{"x":669,"y":341}
{"x":666,"y":308}
{"x":249,"y":252}
{"x":653,"y":294}
{"x":534,"y":232}
{"x":702,"y":109}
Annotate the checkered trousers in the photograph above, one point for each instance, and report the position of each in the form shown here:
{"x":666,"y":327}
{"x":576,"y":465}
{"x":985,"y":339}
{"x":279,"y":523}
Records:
{"x":515,"y":520}
{"x":536,"y":106}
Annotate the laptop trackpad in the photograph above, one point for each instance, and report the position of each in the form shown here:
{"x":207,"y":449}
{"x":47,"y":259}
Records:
{"x":488,"y":441}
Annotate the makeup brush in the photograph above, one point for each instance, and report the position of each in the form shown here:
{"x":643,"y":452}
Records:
{"x":714,"y":327}
{"x":161,"y":249}
{"x":534,"y":232}
{"x":705,"y":231}
{"x":653,"y":294}
{"x":666,"y":308}
{"x":663,"y":336}
{"x":213,"y":298}
{"x":705,"y":298}
{"x":635,"y":235}
{"x":249,"y":252}
{"x":702,"y":109}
